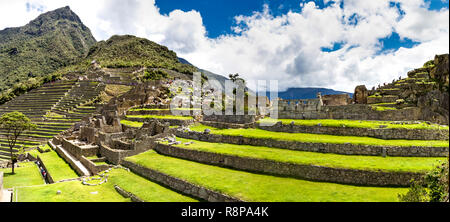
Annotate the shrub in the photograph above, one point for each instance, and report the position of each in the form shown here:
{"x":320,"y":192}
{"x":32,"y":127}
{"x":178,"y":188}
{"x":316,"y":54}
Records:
{"x":432,"y":188}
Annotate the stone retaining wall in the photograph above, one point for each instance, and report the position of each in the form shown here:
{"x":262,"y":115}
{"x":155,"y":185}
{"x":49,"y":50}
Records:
{"x":173,"y":122}
{"x":91,"y":166}
{"x":78,"y":151}
{"x":308,"y":172}
{"x":354,"y":112}
{"x":69,"y":160}
{"x":49,"y":176}
{"x":239,"y":119}
{"x":346,"y":149}
{"x":227,"y":125}
{"x":178,"y":184}
{"x":127,"y":194}
{"x":386,"y":133}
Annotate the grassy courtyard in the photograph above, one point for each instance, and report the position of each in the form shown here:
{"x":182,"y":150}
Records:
{"x":318,"y":138}
{"x":27,"y":174}
{"x":75,"y":191}
{"x":394,"y":164}
{"x":262,"y":188}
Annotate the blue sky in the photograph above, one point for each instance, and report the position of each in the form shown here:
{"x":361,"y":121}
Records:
{"x":336,"y":44}
{"x":218,"y":15}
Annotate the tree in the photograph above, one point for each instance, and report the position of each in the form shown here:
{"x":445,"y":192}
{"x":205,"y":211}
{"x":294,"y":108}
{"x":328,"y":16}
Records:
{"x":15,"y":123}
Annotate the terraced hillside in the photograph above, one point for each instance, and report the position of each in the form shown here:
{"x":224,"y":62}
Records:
{"x":53,"y":107}
{"x":330,"y":162}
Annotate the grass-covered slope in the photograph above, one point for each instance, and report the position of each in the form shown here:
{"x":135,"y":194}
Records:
{"x":374,"y":163}
{"x":318,"y":138}
{"x":53,"y":40}
{"x":262,"y":188}
{"x":130,"y":51}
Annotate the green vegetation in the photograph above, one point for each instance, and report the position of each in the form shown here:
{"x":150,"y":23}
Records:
{"x":382,"y":108}
{"x":15,"y":123}
{"x":46,"y":44}
{"x":263,"y":188}
{"x":155,"y":74}
{"x":429,"y":64}
{"x":318,"y":138}
{"x":56,"y":166}
{"x":160,"y":117}
{"x":356,"y":123}
{"x":432,"y":188}
{"x":132,"y":123}
{"x":27,"y":174}
{"x":75,"y":191}
{"x":395,"y":164}
{"x":147,"y":109}
{"x":130,"y":51}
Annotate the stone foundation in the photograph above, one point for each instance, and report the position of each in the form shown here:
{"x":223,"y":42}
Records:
{"x":178,"y":184}
{"x":386,"y":133}
{"x":127,"y":194}
{"x":308,"y":172}
{"x":345,"y":149}
{"x":91,"y":166}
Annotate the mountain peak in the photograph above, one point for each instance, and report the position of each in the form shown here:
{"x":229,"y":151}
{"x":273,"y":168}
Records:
{"x":64,"y":13}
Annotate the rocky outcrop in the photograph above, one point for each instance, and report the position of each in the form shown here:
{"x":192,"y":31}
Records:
{"x":360,"y":96}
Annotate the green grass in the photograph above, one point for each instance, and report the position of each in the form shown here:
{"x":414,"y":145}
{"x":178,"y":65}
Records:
{"x":56,"y":166}
{"x":132,"y":123}
{"x":318,"y":138}
{"x":374,"y":163}
{"x":354,"y":123}
{"x":160,"y":117}
{"x":26,"y":175}
{"x":147,"y":109}
{"x":262,"y":188}
{"x":382,"y":108}
{"x":145,"y":189}
{"x":74,"y":191}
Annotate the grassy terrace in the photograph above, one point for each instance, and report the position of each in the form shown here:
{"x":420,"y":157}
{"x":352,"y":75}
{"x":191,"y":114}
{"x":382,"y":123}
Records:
{"x":355,"y":123}
{"x":147,"y":109}
{"x":74,"y":191}
{"x":56,"y":166}
{"x":394,"y":164}
{"x":26,"y":175}
{"x":132,"y":123}
{"x":264,"y":188}
{"x":160,"y":117}
{"x":318,"y":138}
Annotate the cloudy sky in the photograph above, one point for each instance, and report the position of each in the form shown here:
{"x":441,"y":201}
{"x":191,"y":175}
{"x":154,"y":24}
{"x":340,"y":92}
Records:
{"x":322,"y":43}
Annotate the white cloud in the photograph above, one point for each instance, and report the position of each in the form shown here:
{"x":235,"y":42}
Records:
{"x":286,"y":47}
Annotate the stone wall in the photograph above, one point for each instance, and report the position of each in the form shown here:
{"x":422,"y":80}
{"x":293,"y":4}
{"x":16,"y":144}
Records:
{"x":173,"y":122}
{"x":354,"y":112}
{"x":236,"y":119}
{"x":49,"y":177}
{"x":116,"y":156}
{"x":308,"y":172}
{"x":78,"y":151}
{"x":87,"y":134}
{"x":227,"y":125}
{"x":69,"y":160}
{"x":127,"y":194}
{"x":382,"y":133}
{"x":336,"y":100}
{"x":178,"y":184}
{"x":346,"y":149}
{"x":91,"y":166}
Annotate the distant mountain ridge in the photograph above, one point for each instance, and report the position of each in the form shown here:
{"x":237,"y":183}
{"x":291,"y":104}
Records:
{"x":308,"y":93}
{"x":53,"y":40}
